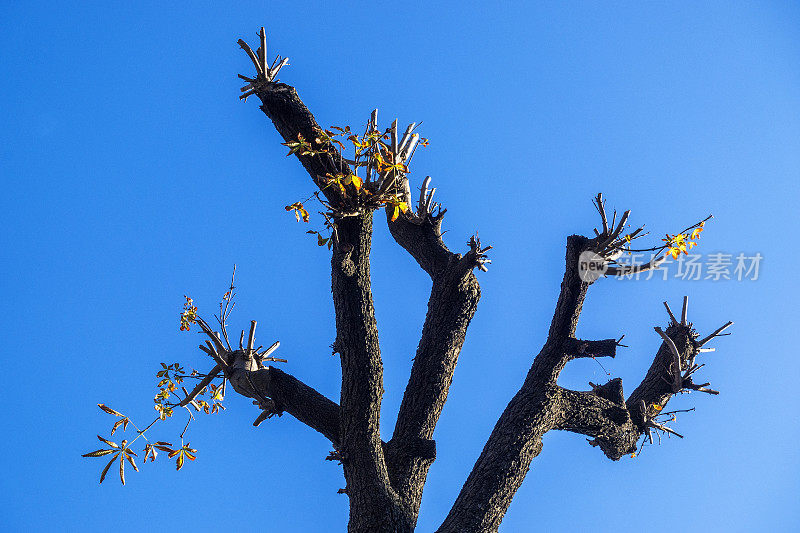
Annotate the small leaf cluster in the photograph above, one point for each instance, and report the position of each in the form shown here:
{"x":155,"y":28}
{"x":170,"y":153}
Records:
{"x":303,"y":147}
{"x":682,"y":242}
{"x":166,"y":387}
{"x":372,"y":154}
{"x":299,"y":211}
{"x":169,"y":380}
{"x":398,"y":206}
{"x":121,"y":452}
{"x":339,"y":180}
{"x":189,"y":314}
{"x":180,"y":453}
{"x":150,"y":450}
{"x":216,"y":394}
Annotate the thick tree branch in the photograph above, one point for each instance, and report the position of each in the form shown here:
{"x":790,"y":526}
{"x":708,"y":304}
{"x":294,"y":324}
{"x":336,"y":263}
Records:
{"x":356,"y":331}
{"x":505,"y":460}
{"x":616,"y":426}
{"x":452,"y":304}
{"x":290,"y":395}
{"x":422,"y":241}
{"x":373,"y":503}
{"x":576,"y":348}
{"x":670,"y":373}
{"x":664,"y":374}
{"x":541,"y":405}
{"x":516,"y":438}
{"x":454,"y":297}
{"x":291,"y":118}
{"x":608,"y":421}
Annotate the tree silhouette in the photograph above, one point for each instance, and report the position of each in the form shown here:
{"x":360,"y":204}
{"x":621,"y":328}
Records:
{"x":385,"y":479}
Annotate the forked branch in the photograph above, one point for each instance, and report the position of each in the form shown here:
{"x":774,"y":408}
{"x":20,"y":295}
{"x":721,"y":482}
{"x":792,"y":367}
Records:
{"x":541,"y":405}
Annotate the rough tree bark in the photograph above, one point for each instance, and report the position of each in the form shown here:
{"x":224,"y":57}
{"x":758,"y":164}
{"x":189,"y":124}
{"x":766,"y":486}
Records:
{"x":385,"y":480}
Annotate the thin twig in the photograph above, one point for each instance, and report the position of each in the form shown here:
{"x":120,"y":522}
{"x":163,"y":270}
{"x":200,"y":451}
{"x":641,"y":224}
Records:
{"x":715,"y":334}
{"x":201,"y":385}
{"x":671,"y":316}
{"x":685,"y":311}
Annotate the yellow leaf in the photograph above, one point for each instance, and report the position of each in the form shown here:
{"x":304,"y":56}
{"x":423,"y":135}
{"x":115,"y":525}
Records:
{"x":356,"y":181}
{"x":396,"y":212}
{"x":108,"y":410}
{"x":97,"y":453}
{"x":106,"y":441}
{"x":105,"y":470}
{"x":132,"y":462}
{"x":403,"y":206}
{"x":117,"y":424}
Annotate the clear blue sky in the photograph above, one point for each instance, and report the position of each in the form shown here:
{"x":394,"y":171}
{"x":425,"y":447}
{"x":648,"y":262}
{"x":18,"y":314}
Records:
{"x":133,"y":175}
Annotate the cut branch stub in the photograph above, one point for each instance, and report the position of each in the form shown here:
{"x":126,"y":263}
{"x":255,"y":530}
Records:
{"x":669,"y":312}
{"x":577,"y":348}
{"x":685,"y":311}
{"x":252,"y":337}
{"x":476,"y":257}
{"x":675,"y":366}
{"x":716,"y":333}
{"x":264,"y":73}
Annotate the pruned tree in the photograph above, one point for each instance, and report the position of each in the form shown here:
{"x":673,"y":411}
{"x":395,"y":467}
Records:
{"x":385,"y":478}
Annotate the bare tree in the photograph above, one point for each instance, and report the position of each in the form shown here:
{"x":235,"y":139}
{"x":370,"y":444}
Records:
{"x":385,"y":479}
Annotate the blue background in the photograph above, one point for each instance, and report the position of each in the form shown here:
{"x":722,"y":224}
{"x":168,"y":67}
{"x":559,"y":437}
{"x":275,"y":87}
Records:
{"x":133,"y":175}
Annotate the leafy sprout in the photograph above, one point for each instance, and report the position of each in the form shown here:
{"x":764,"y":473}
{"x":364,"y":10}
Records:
{"x":171,"y":395}
{"x":383,"y":162}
